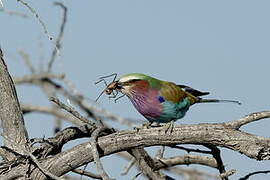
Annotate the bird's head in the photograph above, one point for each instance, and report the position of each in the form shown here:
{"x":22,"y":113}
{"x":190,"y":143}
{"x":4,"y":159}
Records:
{"x":130,"y":84}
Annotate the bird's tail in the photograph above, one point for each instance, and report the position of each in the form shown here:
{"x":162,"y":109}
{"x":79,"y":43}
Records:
{"x":217,"y":101}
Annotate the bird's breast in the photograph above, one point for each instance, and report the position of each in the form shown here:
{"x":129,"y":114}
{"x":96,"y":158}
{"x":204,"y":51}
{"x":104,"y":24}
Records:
{"x":148,"y":104}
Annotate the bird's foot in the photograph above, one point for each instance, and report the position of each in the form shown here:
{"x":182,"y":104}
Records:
{"x":169,"y":127}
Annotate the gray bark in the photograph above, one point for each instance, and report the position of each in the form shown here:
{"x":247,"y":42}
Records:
{"x":12,"y":122}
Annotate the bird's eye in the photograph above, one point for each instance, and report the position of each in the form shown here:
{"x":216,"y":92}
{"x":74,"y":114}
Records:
{"x":129,"y":82}
{"x":133,"y":80}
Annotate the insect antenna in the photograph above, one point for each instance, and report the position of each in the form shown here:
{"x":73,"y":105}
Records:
{"x":114,"y":74}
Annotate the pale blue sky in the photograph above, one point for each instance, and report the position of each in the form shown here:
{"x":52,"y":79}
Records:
{"x":217,"y":46}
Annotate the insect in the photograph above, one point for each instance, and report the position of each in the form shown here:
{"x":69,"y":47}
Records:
{"x":111,"y":88}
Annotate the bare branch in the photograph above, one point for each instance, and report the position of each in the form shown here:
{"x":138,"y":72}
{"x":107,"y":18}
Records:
{"x":236,"y":124}
{"x":60,"y":35}
{"x":33,"y":11}
{"x":253,"y":146}
{"x":70,"y":110}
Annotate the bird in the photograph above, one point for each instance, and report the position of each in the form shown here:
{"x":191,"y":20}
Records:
{"x":157,"y":100}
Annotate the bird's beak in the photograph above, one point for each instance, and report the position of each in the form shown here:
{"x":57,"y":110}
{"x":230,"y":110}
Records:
{"x":119,"y":85}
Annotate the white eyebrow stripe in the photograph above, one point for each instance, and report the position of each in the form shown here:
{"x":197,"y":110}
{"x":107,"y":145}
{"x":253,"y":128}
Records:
{"x":127,"y":78}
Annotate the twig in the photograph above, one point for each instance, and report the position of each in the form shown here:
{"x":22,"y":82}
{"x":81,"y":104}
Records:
{"x":79,"y":100}
{"x":254,"y":173}
{"x":33,"y":11}
{"x":60,"y":35}
{"x":95,"y":153}
{"x":86,"y":173}
{"x":236,"y":124}
{"x":70,"y":110}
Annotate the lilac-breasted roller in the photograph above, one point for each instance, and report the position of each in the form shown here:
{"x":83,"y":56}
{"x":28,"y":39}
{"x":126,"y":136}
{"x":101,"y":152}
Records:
{"x":160,"y":101}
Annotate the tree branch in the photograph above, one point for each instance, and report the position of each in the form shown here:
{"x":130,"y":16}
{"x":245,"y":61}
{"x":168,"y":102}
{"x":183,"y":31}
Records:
{"x":253,"y":146}
{"x":236,"y":124}
{"x":10,"y":113}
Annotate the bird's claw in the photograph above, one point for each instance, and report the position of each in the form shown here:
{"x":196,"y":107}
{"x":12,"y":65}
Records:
{"x":169,"y":127}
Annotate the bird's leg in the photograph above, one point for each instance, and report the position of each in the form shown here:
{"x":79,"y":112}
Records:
{"x":169,"y":127}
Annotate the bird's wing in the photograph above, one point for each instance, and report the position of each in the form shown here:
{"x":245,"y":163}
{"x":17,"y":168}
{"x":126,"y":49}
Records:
{"x":171,"y":92}
{"x":192,"y":91}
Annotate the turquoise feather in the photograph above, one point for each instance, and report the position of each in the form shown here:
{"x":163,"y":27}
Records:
{"x":173,"y":111}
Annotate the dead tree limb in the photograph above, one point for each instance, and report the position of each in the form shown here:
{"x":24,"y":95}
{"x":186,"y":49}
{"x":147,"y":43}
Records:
{"x":10,"y":112}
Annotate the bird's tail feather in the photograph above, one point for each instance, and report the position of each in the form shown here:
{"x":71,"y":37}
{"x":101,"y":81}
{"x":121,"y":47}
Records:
{"x":217,"y":101}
